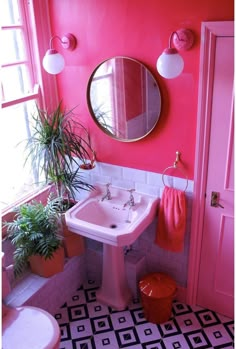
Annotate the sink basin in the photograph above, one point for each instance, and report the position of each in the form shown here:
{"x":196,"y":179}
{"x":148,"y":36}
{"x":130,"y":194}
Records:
{"x":109,"y":221}
{"x":116,"y":225}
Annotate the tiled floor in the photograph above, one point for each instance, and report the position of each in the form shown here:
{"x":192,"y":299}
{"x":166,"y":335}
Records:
{"x":87,"y":324}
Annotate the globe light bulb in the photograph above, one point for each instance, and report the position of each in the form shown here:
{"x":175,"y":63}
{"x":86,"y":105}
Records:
{"x":170,"y":64}
{"x":53,"y":62}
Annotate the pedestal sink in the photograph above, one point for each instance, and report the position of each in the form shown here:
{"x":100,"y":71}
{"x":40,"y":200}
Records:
{"x":116,"y":225}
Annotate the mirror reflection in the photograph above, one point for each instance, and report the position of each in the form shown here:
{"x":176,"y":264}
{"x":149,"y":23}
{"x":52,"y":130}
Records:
{"x":124,"y":99}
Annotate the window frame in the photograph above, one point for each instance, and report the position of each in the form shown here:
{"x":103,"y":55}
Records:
{"x":30,"y":55}
{"x":37,"y":33}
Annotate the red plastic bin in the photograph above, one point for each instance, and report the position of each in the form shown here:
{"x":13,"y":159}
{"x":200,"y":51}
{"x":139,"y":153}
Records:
{"x":157,"y":293}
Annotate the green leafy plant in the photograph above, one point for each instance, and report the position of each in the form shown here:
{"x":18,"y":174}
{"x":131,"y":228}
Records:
{"x":102,"y":118}
{"x":35,"y":231}
{"x":58,"y":145}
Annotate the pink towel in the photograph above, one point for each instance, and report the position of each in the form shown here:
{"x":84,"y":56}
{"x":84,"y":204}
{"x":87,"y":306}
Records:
{"x":171,"y":220}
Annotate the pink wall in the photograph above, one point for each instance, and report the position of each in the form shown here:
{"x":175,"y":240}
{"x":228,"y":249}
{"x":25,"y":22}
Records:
{"x":139,"y":29}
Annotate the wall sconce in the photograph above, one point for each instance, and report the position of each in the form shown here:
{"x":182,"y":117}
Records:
{"x":53,"y":62}
{"x":170,"y":64}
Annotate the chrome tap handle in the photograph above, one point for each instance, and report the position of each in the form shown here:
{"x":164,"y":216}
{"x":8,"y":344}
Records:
{"x":108,"y":191}
{"x":131,"y":198}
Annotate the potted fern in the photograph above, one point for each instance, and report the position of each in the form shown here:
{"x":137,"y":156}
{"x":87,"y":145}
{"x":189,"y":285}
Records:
{"x":35,"y":235}
{"x":59,"y":146}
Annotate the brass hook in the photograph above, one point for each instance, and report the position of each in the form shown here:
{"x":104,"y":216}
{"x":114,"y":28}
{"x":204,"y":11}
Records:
{"x":177,"y":159}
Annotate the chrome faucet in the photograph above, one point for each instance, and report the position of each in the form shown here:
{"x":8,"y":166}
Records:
{"x":130,"y":202}
{"x":108,"y":193}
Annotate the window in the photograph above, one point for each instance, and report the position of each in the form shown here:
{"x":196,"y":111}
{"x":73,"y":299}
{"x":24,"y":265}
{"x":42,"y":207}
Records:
{"x":101,"y":91}
{"x":19,"y":94}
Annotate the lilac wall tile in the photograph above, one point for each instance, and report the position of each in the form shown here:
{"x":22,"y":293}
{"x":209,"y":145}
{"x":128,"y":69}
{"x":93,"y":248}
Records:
{"x":134,"y":175}
{"x":154,"y":179}
{"x":110,"y":170}
{"x":148,"y":189}
{"x":123,"y":183}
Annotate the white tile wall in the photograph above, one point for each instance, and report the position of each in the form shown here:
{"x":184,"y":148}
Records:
{"x":176,"y":264}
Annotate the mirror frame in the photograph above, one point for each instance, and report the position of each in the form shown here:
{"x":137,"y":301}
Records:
{"x":89,"y":103}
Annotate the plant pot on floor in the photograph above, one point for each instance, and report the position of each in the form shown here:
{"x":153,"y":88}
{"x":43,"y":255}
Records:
{"x":73,"y":243}
{"x":35,"y":231}
{"x":50,"y":266}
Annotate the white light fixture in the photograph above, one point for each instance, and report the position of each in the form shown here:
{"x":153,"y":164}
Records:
{"x":53,"y":62}
{"x":170,"y":64}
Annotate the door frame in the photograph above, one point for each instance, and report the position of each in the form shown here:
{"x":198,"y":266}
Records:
{"x":209,"y":33}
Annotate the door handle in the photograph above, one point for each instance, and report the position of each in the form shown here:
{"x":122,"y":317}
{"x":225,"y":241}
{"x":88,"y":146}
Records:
{"x":215,"y":196}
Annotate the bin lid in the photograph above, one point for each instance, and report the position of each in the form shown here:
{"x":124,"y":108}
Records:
{"x":157,"y":285}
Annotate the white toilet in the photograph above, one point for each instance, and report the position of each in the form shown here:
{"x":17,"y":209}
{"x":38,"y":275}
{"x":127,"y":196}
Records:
{"x":27,"y":327}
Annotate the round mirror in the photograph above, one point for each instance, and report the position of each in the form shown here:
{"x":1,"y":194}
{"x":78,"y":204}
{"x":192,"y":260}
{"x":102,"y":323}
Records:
{"x":124,"y":99}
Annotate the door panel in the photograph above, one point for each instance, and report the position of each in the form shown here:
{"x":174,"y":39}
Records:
{"x":215,"y":285}
{"x":224,"y":285}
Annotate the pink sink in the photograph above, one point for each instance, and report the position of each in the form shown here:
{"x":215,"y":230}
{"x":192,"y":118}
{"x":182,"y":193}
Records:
{"x":116,"y":225}
{"x":109,"y":221}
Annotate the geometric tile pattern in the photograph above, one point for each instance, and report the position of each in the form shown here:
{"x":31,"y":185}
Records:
{"x":88,"y":324}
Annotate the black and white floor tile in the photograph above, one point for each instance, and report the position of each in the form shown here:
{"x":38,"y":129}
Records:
{"x":88,"y":324}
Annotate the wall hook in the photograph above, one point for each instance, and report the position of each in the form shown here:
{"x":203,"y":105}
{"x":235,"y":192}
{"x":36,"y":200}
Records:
{"x":177,"y":159}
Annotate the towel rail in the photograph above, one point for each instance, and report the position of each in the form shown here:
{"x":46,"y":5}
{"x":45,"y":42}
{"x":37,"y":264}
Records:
{"x":174,"y":166}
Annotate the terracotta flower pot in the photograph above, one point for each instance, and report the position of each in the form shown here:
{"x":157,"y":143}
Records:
{"x":48,"y":267}
{"x":73,"y":243}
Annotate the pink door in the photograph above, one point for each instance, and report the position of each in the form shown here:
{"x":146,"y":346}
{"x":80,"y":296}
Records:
{"x":215,"y":289}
